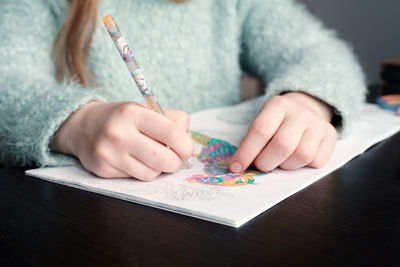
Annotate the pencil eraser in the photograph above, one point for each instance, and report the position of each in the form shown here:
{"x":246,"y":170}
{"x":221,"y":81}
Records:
{"x":108,"y":21}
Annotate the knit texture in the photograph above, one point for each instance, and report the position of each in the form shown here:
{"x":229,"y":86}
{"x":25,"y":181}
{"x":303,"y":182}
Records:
{"x":192,"y":54}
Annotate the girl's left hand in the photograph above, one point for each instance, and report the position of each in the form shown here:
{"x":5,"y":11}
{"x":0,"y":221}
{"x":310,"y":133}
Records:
{"x":290,"y":131}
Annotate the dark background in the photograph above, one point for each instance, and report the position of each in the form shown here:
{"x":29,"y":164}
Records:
{"x":372,"y":27}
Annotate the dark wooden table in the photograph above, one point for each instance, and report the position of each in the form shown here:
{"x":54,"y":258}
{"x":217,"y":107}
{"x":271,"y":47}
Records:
{"x":350,"y":217}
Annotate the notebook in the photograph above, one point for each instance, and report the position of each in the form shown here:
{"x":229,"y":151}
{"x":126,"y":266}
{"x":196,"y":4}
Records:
{"x":207,"y":190}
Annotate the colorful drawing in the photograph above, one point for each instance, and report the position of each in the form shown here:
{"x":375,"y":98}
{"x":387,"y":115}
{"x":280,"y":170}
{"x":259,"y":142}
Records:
{"x":215,"y":155}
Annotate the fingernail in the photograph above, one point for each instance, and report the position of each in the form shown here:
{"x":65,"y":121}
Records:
{"x":236,"y":167}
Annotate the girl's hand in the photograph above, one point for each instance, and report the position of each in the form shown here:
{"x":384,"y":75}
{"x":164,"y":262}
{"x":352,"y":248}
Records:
{"x":125,"y":139}
{"x":290,"y":131}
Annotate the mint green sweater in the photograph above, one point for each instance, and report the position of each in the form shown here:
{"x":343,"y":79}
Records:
{"x":192,"y":54}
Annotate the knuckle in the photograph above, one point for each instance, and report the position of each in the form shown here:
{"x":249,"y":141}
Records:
{"x":126,"y":109}
{"x":100,"y":153}
{"x":173,"y":134}
{"x":173,"y":167}
{"x":318,"y":163}
{"x":184,"y":120}
{"x":102,"y":171}
{"x":304,"y":155}
{"x":260,"y":165}
{"x":165,"y":161}
{"x":169,"y":163}
{"x":260,"y":129}
{"x":149,"y":176}
{"x":111,"y":132}
{"x":283,"y":147}
{"x":278,"y":100}
{"x":287,"y":167}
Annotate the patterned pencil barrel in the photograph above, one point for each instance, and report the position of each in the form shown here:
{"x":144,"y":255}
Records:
{"x":130,"y":62}
{"x":133,"y":67}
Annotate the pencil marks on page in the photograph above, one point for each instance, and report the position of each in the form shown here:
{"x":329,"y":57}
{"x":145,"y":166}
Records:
{"x":173,"y":188}
{"x":184,"y":192}
{"x":167,"y":187}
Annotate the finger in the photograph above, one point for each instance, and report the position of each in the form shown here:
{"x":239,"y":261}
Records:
{"x":104,"y":170}
{"x":305,"y":152}
{"x":181,"y":118}
{"x":136,"y":168}
{"x":97,"y":163}
{"x":282,"y":145}
{"x":325,"y":150}
{"x":112,"y":161}
{"x":264,"y":126}
{"x":154,"y":154}
{"x":164,"y":130}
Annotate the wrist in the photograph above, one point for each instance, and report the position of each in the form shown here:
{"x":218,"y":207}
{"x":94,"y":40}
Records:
{"x":66,"y":138}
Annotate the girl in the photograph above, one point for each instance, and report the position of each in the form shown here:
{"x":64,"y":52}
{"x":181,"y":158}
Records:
{"x":65,"y":92}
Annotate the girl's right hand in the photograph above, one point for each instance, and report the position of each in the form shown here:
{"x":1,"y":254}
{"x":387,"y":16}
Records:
{"x":125,"y":139}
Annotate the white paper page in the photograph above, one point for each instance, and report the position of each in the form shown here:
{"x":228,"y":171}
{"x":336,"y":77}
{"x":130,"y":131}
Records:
{"x":229,"y":205}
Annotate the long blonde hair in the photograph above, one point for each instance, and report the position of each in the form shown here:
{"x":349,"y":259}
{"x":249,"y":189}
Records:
{"x":72,"y":43}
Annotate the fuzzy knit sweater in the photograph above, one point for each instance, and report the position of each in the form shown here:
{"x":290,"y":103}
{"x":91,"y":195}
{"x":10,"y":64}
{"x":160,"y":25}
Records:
{"x":192,"y":54}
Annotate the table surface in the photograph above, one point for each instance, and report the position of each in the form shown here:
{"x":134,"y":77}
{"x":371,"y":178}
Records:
{"x":351,"y":217}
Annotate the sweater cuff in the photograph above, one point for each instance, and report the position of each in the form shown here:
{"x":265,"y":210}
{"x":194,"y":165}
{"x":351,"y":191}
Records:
{"x":47,"y":157}
{"x":31,"y":121}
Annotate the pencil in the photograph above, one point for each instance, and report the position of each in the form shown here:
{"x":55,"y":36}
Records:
{"x":133,"y":67}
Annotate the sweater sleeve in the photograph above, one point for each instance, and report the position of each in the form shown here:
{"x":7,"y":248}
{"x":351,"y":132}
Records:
{"x":32,"y":103}
{"x":290,"y":50}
